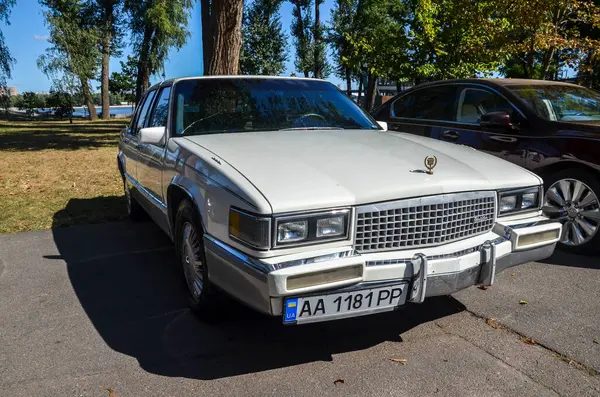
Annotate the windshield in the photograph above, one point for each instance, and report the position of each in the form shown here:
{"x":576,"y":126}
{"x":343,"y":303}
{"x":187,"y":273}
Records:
{"x":205,"y":106}
{"x":561,"y":102}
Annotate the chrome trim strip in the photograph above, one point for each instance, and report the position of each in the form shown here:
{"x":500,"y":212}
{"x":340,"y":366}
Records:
{"x":424,"y":200}
{"x":456,"y":254}
{"x":250,"y":265}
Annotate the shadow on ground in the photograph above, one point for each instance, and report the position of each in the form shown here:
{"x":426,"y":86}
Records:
{"x":564,"y":258}
{"x":128,"y":284}
{"x":22,"y":136}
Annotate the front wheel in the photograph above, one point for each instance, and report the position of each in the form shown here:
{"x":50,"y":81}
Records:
{"x":189,"y":249}
{"x":572,"y":197}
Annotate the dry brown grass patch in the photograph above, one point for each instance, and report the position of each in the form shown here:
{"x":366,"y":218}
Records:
{"x":58,"y":174}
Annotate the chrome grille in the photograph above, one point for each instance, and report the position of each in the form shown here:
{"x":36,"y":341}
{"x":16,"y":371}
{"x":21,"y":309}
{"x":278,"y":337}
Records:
{"x":425,"y":221}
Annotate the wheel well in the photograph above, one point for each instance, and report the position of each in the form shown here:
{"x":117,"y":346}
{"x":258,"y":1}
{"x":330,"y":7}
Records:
{"x":175,"y":195}
{"x":564,"y":165}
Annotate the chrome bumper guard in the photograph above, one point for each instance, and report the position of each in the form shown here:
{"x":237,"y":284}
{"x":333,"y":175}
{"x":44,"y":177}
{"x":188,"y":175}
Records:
{"x":484,"y":274}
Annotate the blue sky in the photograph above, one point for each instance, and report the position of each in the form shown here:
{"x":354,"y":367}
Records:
{"x":26,"y":38}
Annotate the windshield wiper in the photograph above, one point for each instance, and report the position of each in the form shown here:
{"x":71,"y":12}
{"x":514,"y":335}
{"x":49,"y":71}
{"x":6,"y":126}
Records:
{"x":311,"y":128}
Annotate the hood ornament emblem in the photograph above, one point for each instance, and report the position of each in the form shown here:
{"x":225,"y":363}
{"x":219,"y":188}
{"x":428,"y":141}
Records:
{"x":430,"y":163}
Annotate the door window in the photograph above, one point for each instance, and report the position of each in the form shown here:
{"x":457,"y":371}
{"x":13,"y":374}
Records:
{"x":161,"y":110}
{"x":433,"y":103}
{"x":143,"y":114}
{"x":475,"y":102}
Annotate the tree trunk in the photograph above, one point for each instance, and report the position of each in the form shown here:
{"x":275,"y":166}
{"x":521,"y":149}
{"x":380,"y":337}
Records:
{"x":317,"y":40}
{"x":143,"y":65}
{"x":348,"y":82}
{"x":108,"y":11}
{"x":531,"y":58}
{"x":87,"y":98}
{"x":360,"y":88}
{"x":207,"y":43}
{"x":370,"y":93}
{"x":548,"y":56}
{"x":226,"y":26}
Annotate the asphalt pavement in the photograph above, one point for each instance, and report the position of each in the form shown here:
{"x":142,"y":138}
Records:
{"x":90,"y":308}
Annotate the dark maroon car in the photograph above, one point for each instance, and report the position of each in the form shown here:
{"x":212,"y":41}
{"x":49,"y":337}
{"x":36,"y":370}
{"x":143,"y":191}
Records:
{"x":548,"y":127}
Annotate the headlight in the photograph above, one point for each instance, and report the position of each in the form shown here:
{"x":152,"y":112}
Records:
{"x":292,"y":231}
{"x":312,"y":228}
{"x":264,"y":232}
{"x":249,"y":229}
{"x":518,"y":200}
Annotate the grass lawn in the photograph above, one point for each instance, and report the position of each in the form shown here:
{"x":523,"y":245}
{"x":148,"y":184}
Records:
{"x":53,"y":173}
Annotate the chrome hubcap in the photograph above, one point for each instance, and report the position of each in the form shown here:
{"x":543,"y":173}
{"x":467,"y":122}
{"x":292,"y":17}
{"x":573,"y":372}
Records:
{"x":576,"y":206}
{"x":191,"y":260}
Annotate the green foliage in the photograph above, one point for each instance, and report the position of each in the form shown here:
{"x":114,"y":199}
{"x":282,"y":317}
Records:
{"x":263,"y":40}
{"x":30,"y":102}
{"x":156,"y":27}
{"x":123,"y":83}
{"x":342,"y":21}
{"x":301,"y":31}
{"x":61,"y":103}
{"x":6,"y":60}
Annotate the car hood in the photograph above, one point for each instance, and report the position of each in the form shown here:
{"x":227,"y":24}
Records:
{"x":312,"y":169}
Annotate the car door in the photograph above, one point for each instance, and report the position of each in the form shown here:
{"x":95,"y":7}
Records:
{"x":426,"y":111}
{"x":151,"y":156}
{"x":474,"y":101}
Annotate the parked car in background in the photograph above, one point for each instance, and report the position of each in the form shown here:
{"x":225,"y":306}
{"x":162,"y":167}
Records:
{"x":285,"y":194}
{"x":551,"y":128}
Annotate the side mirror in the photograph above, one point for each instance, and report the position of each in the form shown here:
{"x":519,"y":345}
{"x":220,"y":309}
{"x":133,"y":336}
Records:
{"x":496,"y":119}
{"x":152,"y":135}
{"x":383,"y":125}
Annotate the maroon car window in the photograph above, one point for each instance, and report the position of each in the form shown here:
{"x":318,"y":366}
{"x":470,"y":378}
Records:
{"x":432,"y":103}
{"x":475,"y":102}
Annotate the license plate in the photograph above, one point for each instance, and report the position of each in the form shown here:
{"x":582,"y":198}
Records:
{"x":344,"y":304}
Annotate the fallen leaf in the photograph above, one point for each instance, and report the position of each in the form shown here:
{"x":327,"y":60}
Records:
{"x":482,"y":287}
{"x":111,"y":392}
{"x":402,"y":361}
{"x":492,"y":323}
{"x":512,"y":274}
{"x":339,"y":380}
{"x":528,"y":341}
{"x":596,"y":341}
{"x":522,"y":302}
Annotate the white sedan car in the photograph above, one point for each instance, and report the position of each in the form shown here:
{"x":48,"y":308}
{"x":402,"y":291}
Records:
{"x":286,"y":195}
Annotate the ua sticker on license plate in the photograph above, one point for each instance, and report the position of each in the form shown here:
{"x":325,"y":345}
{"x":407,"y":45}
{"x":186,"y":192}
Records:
{"x":344,"y":304}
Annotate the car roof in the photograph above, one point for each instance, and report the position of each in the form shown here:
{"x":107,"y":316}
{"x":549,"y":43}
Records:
{"x":500,"y":82}
{"x":238,"y":77}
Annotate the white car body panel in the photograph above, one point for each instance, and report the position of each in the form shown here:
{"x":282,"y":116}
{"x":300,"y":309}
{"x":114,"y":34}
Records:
{"x":307,"y":169}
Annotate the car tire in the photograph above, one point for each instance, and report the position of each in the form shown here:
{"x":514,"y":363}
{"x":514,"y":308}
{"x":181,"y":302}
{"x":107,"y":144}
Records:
{"x":573,"y":197}
{"x":202,"y":297}
{"x":135,"y":211}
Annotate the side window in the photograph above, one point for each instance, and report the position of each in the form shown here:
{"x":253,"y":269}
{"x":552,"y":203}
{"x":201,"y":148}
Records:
{"x":161,"y":110}
{"x":475,"y":102}
{"x":403,"y":106}
{"x":143,"y":113}
{"x":433,"y":103}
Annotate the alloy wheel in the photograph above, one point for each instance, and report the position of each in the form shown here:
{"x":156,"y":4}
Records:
{"x":191,"y":260}
{"x":576,"y":206}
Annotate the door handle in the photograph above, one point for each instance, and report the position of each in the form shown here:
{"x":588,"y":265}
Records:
{"x":505,"y":139}
{"x":450,"y":135}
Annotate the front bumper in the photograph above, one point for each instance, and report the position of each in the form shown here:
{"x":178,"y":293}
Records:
{"x":442,"y":270}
